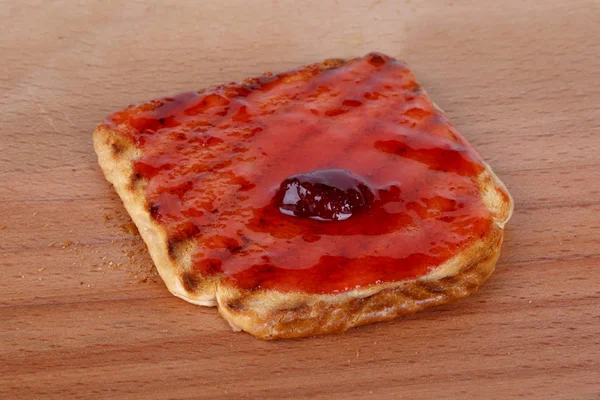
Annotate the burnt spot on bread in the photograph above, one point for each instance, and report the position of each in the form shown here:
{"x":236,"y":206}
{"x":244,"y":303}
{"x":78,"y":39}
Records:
{"x":136,"y":182}
{"x":190,"y":281}
{"x":116,"y":148}
{"x":236,"y":305}
{"x":178,"y":248}
{"x":172,"y":249}
{"x":183,"y":231}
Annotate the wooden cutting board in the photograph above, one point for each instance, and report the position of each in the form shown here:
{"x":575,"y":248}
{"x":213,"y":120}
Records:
{"x":83,"y":315}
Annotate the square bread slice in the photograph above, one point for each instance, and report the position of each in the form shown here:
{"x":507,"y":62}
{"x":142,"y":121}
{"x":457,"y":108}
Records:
{"x":199,"y":174}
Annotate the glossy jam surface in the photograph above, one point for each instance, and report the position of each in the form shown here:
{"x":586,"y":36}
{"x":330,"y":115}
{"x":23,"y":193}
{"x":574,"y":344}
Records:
{"x":326,"y":195}
{"x":219,"y":165}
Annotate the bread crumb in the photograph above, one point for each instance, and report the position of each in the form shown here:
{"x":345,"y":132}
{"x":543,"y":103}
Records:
{"x":129,"y":228}
{"x":51,"y":244}
{"x":35,"y":213}
{"x":66,"y":244}
{"x":133,"y":257}
{"x":2,"y":227}
{"x":41,"y":269}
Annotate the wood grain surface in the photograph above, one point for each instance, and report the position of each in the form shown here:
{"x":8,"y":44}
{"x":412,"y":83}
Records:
{"x":83,"y":315}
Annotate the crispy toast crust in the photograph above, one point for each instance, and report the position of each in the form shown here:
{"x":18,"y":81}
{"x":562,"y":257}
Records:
{"x":273,"y":315}
{"x":269,"y":314}
{"x":115,"y":156}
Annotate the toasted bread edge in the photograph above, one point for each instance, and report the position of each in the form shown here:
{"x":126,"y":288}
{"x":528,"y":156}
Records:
{"x":115,"y":156}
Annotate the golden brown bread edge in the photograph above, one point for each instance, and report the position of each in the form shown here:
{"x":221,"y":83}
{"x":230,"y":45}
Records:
{"x":268,"y":314}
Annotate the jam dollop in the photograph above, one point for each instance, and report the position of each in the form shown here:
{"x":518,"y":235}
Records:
{"x":325,"y":195}
{"x":212,"y":163}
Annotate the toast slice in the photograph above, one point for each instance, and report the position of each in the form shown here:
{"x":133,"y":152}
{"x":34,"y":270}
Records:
{"x":197,"y":173}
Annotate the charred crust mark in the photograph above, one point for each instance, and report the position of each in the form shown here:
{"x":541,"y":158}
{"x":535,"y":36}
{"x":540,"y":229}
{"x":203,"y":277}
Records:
{"x":171,"y":249}
{"x":135,"y":181}
{"x":190,"y":281}
{"x":177,"y":247}
{"x":116,"y":148}
{"x":236,"y":305}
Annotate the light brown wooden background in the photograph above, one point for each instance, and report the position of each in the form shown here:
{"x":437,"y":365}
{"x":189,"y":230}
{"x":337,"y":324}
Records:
{"x":81,"y":316}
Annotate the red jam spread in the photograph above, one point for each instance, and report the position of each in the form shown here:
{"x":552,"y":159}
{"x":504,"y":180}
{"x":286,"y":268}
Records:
{"x":331,"y":195}
{"x":320,"y":181}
